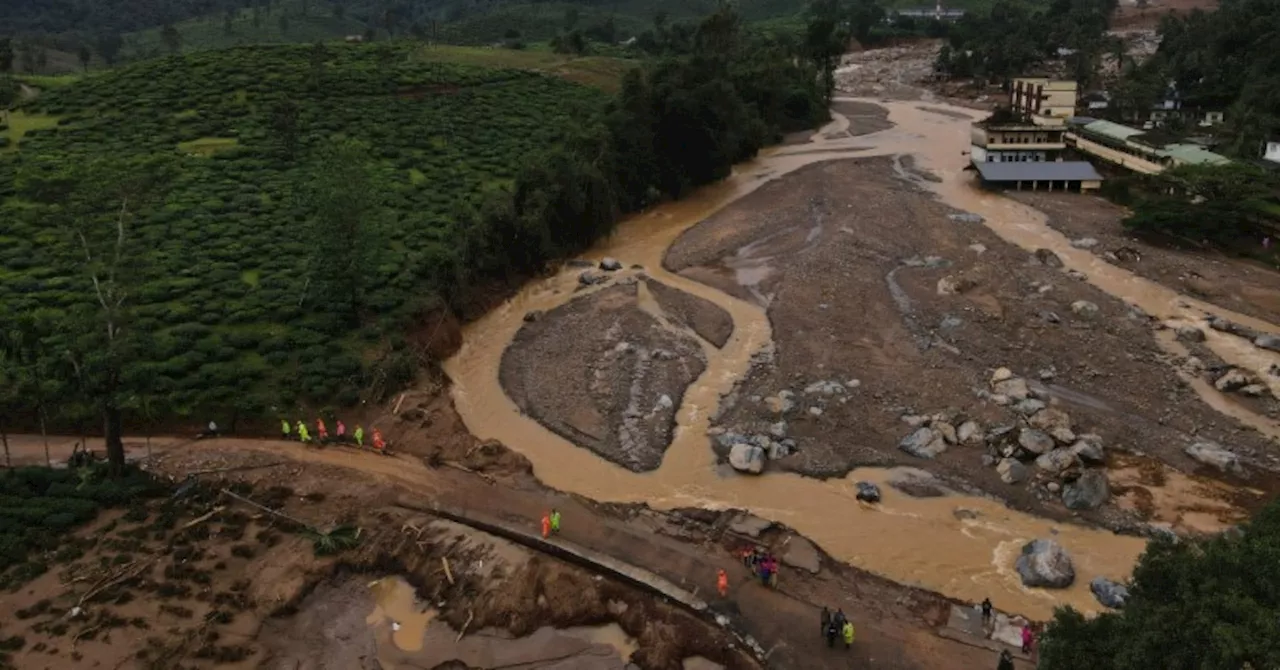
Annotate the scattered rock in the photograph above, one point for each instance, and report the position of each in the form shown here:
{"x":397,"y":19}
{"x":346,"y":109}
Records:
{"x":1231,"y":380}
{"x":950,"y":323}
{"x":530,"y":317}
{"x":1056,"y":460}
{"x":1047,"y":257}
{"x":1221,"y":324}
{"x":868,"y":492}
{"x":1084,"y":308}
{"x":750,"y":525}
{"x":1215,"y":455}
{"x":923,"y":443}
{"x":1110,"y":594}
{"x":1190,"y":334}
{"x":1050,"y":419}
{"x":1085,"y":242}
{"x":1077,"y":275}
{"x":946,"y":430}
{"x":1001,"y":374}
{"x":1254,"y":390}
{"x":916,"y":483}
{"x":1089,"y":452}
{"x":815,"y":411}
{"x":590,"y":278}
{"x":1050,"y":317}
{"x":778,"y":429}
{"x":747,"y":458}
{"x":949,"y":285}
{"x":1269,"y":342}
{"x":610,"y":264}
{"x":825,"y":388}
{"x":664,"y":402}
{"x":1035,"y":441}
{"x":1089,"y":491}
{"x":800,"y":553}
{"x":781,"y":403}
{"x":970,"y":434}
{"x":1044,"y":563}
{"x":978,"y":248}
{"x":1029,"y":406}
{"x":1053,"y":487}
{"x":1014,"y":389}
{"x":779,"y":450}
{"x":966,"y":217}
{"x":1011,"y":471}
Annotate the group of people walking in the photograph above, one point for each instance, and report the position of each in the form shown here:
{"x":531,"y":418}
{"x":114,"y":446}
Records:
{"x":1028,"y":636}
{"x":302,"y":433}
{"x":837,"y":625}
{"x":762,"y":564}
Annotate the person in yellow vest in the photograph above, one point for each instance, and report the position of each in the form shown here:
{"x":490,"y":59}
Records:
{"x":555,"y":520}
{"x":285,"y":429}
{"x":359,"y":435}
{"x":303,"y":435}
{"x":848,"y":634}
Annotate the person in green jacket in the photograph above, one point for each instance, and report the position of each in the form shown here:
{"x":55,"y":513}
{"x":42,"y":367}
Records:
{"x":555,"y":521}
{"x":360,"y":436}
{"x":848,"y":634}
{"x":285,"y":428}
{"x":303,"y":435}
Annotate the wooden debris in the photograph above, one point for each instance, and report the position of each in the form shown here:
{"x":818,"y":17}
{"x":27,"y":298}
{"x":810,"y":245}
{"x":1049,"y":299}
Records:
{"x":202,"y":518}
{"x":270,"y":511}
{"x":471,"y":615}
{"x":447,"y":572}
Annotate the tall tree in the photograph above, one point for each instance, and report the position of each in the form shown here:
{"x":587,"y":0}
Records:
{"x":346,"y":208}
{"x":29,"y":345}
{"x":825,"y":40}
{"x":172,"y":39}
{"x":109,"y":45}
{"x":98,"y":205}
{"x":1193,"y":604}
{"x":6,"y":55}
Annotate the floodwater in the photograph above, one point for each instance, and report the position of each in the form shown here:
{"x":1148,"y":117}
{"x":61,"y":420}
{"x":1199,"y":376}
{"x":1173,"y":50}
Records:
{"x":417,"y":640}
{"x":919,"y":542}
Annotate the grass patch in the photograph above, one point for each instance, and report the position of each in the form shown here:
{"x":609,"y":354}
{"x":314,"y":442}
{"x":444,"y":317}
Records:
{"x":208,"y":146}
{"x":21,"y":123}
{"x":49,"y":81}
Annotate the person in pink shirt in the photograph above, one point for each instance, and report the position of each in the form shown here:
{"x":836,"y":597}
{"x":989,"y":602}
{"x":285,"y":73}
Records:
{"x":322,"y":433}
{"x":341,"y":431}
{"x":1027,"y":638}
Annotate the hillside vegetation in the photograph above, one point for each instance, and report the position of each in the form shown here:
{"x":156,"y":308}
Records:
{"x":233,"y":234}
{"x":228,"y":255}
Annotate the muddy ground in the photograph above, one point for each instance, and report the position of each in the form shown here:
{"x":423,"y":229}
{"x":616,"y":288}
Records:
{"x":274,"y":604}
{"x":1244,"y":286}
{"x":869,"y":283}
{"x":606,"y":374}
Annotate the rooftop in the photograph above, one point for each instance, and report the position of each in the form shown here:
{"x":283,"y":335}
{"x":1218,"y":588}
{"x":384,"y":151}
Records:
{"x":1038,"y":171}
{"x":1194,"y":155}
{"x":1112,"y":130}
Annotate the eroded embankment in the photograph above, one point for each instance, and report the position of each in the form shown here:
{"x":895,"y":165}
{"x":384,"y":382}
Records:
{"x":925,"y":542}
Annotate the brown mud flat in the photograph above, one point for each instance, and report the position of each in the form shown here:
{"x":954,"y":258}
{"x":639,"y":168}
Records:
{"x":291,"y":609}
{"x":1241,"y":285}
{"x":864,"y":118}
{"x":703,"y":317}
{"x":604,"y":373}
{"x":852,"y":261}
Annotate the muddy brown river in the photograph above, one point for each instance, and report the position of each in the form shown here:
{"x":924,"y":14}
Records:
{"x":916,"y":541}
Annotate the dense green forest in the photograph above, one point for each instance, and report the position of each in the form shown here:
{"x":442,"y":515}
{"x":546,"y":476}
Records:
{"x":234,"y":233}
{"x":1193,"y":605}
{"x":1225,"y":60}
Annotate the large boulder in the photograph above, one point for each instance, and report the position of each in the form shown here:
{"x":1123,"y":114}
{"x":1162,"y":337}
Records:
{"x":800,"y":553}
{"x":1050,"y":419}
{"x":747,"y":458}
{"x":916,"y":483}
{"x":868,"y":492}
{"x":1216,"y":456}
{"x":970,"y":434}
{"x":923,"y":443}
{"x":1056,"y":461}
{"x":1049,"y":258}
{"x":1044,"y":563}
{"x":1265,"y":341}
{"x":1089,"y":491}
{"x":1014,"y":389}
{"x":1110,"y":594}
{"x":1089,"y":451}
{"x":1035,"y":441}
{"x":1231,"y":380}
{"x":1011,"y":471}
{"x":1084,"y":308}
{"x":610,"y":264}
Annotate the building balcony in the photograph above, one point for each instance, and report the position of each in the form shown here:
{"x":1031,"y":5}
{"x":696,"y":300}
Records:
{"x":1023,"y":146}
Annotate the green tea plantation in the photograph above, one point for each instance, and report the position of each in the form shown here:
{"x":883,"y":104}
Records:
{"x":224,"y":279}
